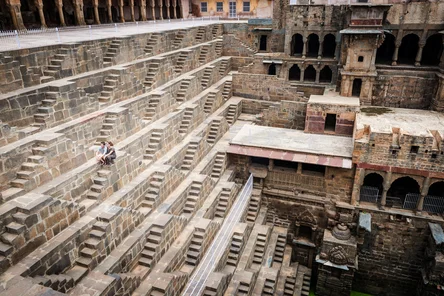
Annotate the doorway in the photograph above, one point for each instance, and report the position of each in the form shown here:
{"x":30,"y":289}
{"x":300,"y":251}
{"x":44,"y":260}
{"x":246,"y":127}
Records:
{"x":357,"y":84}
{"x":263,"y":43}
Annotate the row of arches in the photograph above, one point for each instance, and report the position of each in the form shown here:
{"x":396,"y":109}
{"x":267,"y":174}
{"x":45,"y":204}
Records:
{"x":404,"y":192}
{"x":310,"y":74}
{"x":312,"y":47}
{"x":410,"y":51}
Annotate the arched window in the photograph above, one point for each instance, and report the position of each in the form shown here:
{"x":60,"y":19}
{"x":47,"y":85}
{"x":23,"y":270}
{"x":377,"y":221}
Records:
{"x":371,"y":188}
{"x":436,"y":189}
{"x":310,"y":74}
{"x":399,"y":189}
{"x":329,"y":46}
{"x":297,"y":44}
{"x":408,"y":49}
{"x":384,"y":54}
{"x":356,"y":90}
{"x":272,"y":69}
{"x":313,"y":45}
{"x":432,"y":51}
{"x":294,"y":73}
{"x":325,"y":75}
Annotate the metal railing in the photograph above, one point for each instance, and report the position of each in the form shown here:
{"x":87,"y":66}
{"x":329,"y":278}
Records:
{"x":433,"y":204}
{"x":369,"y":194}
{"x":215,"y":251}
{"x":14,"y":39}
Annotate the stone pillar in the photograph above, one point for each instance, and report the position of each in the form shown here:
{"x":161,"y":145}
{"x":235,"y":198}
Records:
{"x":59,"y":4}
{"x":304,"y":48}
{"x":132,"y":10}
{"x":96,"y":12}
{"x":419,"y":54}
{"x":386,"y":186}
{"x":153,"y":4}
{"x":438,"y":101}
{"x":321,"y":44}
{"x":424,"y":192}
{"x":302,"y":75}
{"x":318,"y":73}
{"x":122,"y":16}
{"x":168,"y":8}
{"x":78,"y":12}
{"x":357,"y":184}
{"x":110,"y":13}
{"x":174,"y":9}
{"x":395,"y":54}
{"x":338,"y":47}
{"x":16,"y":15}
{"x":39,"y":5}
{"x":143,"y":10}
{"x":270,"y":164}
{"x":160,"y":9}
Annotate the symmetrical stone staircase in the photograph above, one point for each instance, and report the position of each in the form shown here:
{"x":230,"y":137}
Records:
{"x":150,"y":111}
{"x":206,"y":77}
{"x":192,"y":197}
{"x":259,"y":248}
{"x":223,"y":67}
{"x":269,"y":287}
{"x":219,"y":47}
{"x":150,"y":77}
{"x":243,"y":289}
{"x":58,"y":282}
{"x":100,"y":182}
{"x":195,"y":249}
{"x":111,"y":53}
{"x":25,"y":181}
{"x":45,"y":113}
{"x":280,"y":249}
{"x":200,"y":34}
{"x":209,"y":103}
{"x":111,"y":82}
{"x":186,"y":121}
{"x":182,"y":92}
{"x":151,"y":43}
{"x":11,"y":236}
{"x":129,"y":283}
{"x":151,"y":247}
{"x":94,"y":245}
{"x":236,"y":246}
{"x":178,"y":38}
{"x":231,"y":114}
{"x":187,"y":163}
{"x":107,"y":128}
{"x":216,"y":30}
{"x":254,"y":205}
{"x":152,"y":195}
{"x":203,"y":54}
{"x":226,"y":92}
{"x":219,"y":165}
{"x":55,"y":65}
{"x":223,"y":203}
{"x":214,"y":131}
{"x":153,"y":145}
{"x":290,"y":286}
{"x":180,"y":62}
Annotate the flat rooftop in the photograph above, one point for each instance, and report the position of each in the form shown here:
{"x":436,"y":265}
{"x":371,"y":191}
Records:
{"x":333,"y":99}
{"x":410,"y":121}
{"x":293,"y":145}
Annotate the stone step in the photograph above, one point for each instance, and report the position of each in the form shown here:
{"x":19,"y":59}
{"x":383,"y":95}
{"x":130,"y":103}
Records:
{"x":145,"y":261}
{"x":97,"y":234}
{"x":5,"y":249}
{"x":9,"y":238}
{"x":85,"y":262}
{"x":88,"y":252}
{"x":77,"y":273}
{"x":15,"y":228}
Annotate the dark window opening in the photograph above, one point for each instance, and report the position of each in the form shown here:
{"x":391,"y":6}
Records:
{"x":204,"y":7}
{"x":414,"y":149}
{"x":313,"y":169}
{"x":356,"y":90}
{"x":329,"y":46}
{"x":384,"y":54}
{"x":436,"y":189}
{"x":286,"y":164}
{"x":310,"y":74}
{"x":360,"y":59}
{"x":297,"y":44}
{"x":219,"y":6}
{"x":313,"y":45}
{"x":305,"y":232}
{"x":295,"y":73}
{"x":408,"y":49}
{"x":325,"y":75}
{"x":330,"y":123}
{"x":399,"y":189}
{"x":374,"y":180}
{"x":259,"y":160}
{"x":432,"y":51}
{"x":263,"y":43}
{"x":272,"y":69}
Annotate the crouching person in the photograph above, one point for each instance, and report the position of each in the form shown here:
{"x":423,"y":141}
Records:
{"x":101,"y":152}
{"x":111,"y":154}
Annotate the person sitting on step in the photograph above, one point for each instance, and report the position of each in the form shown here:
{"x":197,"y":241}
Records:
{"x":111,"y":154}
{"x":101,"y":152}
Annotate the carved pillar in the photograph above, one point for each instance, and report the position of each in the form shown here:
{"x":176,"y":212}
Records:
{"x":96,"y":12}
{"x":174,"y":9}
{"x":302,"y":74}
{"x":160,"y":9}
{"x":132,"y":10}
{"x":168,"y":8}
{"x":16,"y":16}
{"x":424,"y":192}
{"x":419,"y":54}
{"x":143,"y":10}
{"x":321,"y":44}
{"x":78,"y":12}
{"x":122,"y":16}
{"x":338,"y":46}
{"x":270,"y":164}
{"x":110,"y":13}
{"x":59,"y":4}
{"x":395,"y":54}
{"x":153,"y":4}
{"x":359,"y":181}
{"x":39,"y":5}
{"x":318,"y":73}
{"x":386,"y":186}
{"x":304,"y":48}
